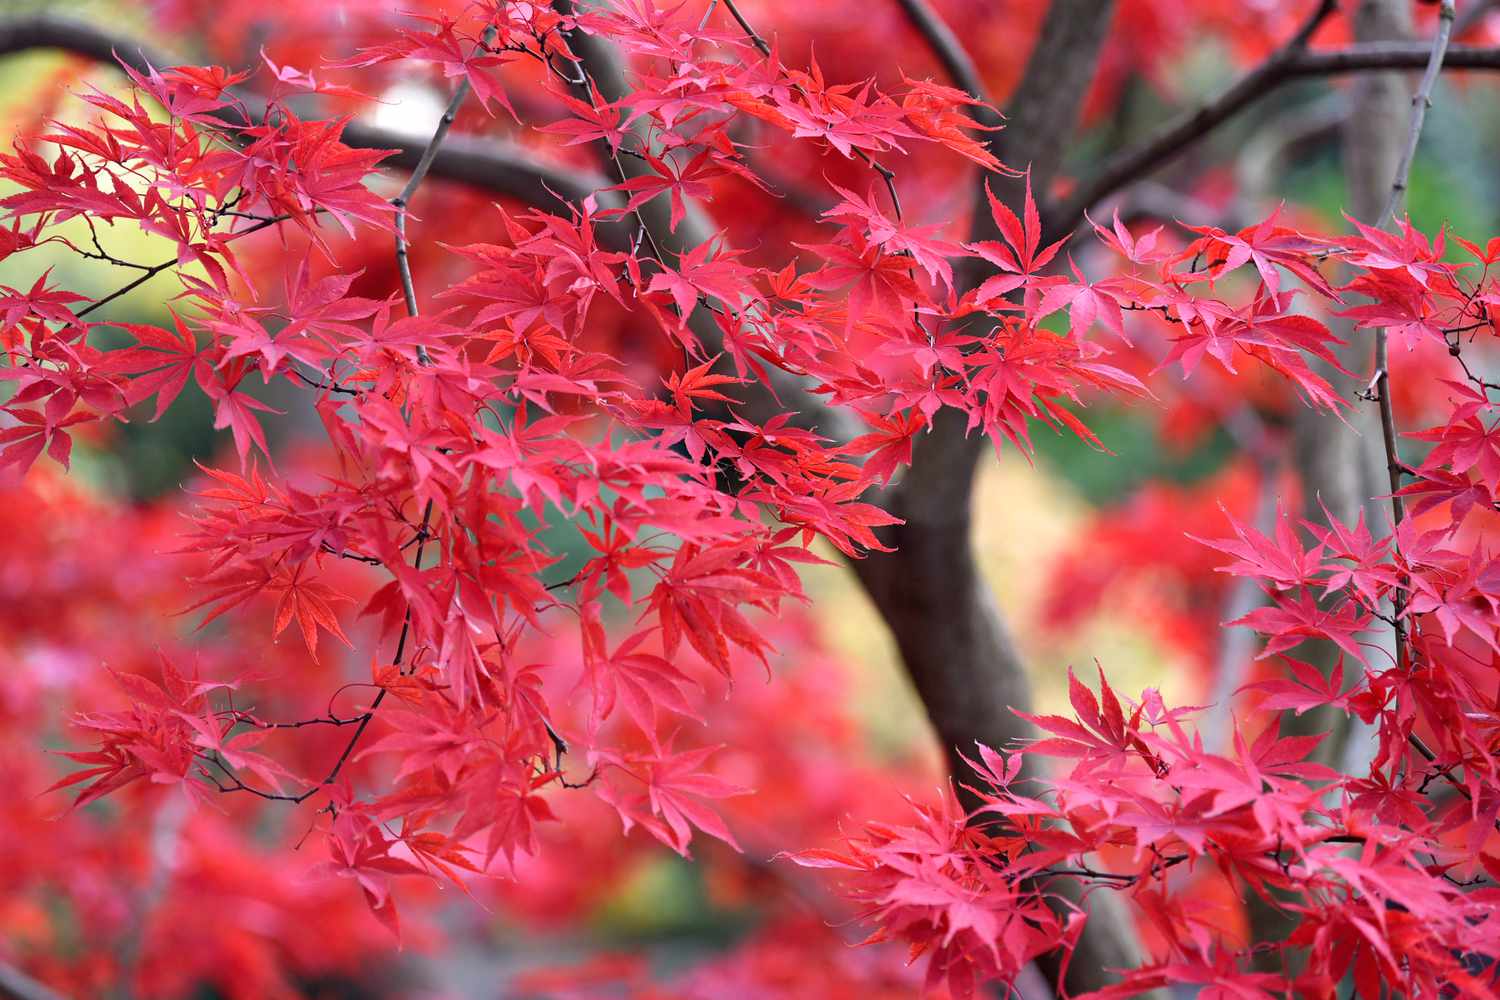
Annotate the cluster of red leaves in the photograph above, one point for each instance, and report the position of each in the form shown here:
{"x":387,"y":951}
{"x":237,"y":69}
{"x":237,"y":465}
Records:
{"x":1378,"y":887}
{"x":192,"y":893}
{"x":1387,"y":873}
{"x":216,"y":894}
{"x":455,"y":433}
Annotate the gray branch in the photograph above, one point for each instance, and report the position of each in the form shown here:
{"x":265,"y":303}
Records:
{"x":950,"y":53}
{"x":1292,"y":62}
{"x":17,"y":985}
{"x":484,"y":163}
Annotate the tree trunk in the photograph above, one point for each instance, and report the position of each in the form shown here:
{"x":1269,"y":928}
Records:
{"x":941,"y":612}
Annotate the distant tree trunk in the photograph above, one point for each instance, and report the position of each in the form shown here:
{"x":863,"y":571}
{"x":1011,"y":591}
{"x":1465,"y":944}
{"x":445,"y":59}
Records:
{"x":1341,"y":463}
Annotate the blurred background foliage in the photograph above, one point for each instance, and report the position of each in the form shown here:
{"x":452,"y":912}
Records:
{"x":1028,"y":511}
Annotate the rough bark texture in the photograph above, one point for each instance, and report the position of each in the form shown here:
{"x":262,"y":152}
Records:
{"x":941,"y":612}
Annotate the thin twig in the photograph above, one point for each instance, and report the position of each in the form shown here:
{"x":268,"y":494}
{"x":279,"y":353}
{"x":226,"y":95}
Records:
{"x":751,"y":33}
{"x":1292,"y":62}
{"x":1446,"y":773}
{"x":886,"y":173}
{"x":1420,"y":102}
{"x":17,"y":985}
{"x":369,"y":713}
{"x":155,"y":269}
{"x":408,"y":289}
{"x":362,"y":721}
{"x":418,"y":174}
{"x":950,"y":52}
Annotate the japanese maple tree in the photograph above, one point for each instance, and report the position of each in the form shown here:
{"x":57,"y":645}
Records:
{"x":728,"y":307}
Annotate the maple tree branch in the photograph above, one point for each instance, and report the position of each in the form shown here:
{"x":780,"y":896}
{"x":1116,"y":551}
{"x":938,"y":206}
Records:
{"x":763,"y":47}
{"x":418,"y":174}
{"x":1388,"y":429}
{"x":951,"y":54}
{"x":1131,"y":164}
{"x":1455,"y":350}
{"x":360,"y":722}
{"x":149,"y":272}
{"x":1338,"y":458}
{"x":941,"y":611}
{"x":480,"y":162}
{"x":1420,"y":102}
{"x":145,"y":276}
{"x":1441,"y":771}
{"x":397,"y":660}
{"x":346,"y":554}
{"x":85,"y":39}
{"x":1377,"y":57}
{"x":17,"y":985}
{"x":1124,"y":880}
{"x":1291,"y":62}
{"x":750,"y":32}
{"x":334,"y":387}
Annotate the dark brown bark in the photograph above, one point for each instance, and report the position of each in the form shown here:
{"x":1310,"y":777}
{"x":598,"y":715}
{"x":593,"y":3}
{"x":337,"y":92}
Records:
{"x":930,"y":592}
{"x":940,"y":610}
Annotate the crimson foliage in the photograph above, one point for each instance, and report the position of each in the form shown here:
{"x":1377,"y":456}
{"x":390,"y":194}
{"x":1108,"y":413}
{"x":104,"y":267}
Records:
{"x":458,"y":422}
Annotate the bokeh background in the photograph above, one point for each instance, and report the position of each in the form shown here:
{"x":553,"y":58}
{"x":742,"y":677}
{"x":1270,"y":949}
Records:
{"x":1086,"y":550}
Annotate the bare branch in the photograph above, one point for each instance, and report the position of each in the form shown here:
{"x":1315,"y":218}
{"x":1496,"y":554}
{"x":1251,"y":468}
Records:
{"x":485,"y":163}
{"x":760,"y":43}
{"x":1420,"y":102}
{"x":17,"y":985}
{"x":1337,"y":457}
{"x":1130,"y":164}
{"x":1291,"y":62}
{"x":950,"y":52}
{"x":1377,"y":56}
{"x":418,"y":173}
